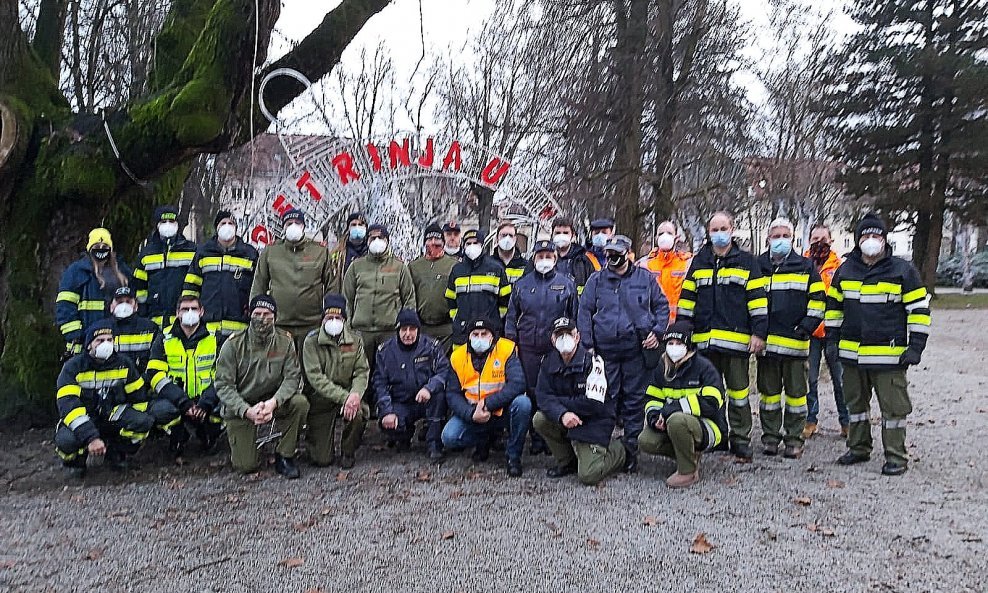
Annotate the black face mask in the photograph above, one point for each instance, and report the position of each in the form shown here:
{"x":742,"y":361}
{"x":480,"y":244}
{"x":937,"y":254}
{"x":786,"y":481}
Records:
{"x":100,"y":255}
{"x":616,"y":260}
{"x":820,"y":252}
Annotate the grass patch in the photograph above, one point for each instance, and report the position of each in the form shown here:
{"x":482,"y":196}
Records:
{"x":960,"y":301}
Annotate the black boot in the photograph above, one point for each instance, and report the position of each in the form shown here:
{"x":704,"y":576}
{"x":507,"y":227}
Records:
{"x":742,"y":451}
{"x":76,"y":468}
{"x":559,"y":471}
{"x":286,"y":467}
{"x":117,"y":461}
{"x":481,"y":453}
{"x":514,"y":468}
{"x":851,"y":458}
{"x":538,"y":445}
{"x":436,"y":453}
{"x":630,"y":462}
{"x":894,"y":469}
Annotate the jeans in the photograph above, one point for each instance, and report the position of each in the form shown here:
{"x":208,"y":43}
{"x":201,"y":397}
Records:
{"x":819,"y":348}
{"x":460,"y":433}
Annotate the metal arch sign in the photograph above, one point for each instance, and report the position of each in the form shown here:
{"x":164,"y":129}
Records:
{"x":330,"y":176}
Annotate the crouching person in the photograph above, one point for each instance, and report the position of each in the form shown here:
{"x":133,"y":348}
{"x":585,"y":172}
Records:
{"x":337,"y":370}
{"x":485,"y":393}
{"x":576,"y":417}
{"x":683,"y":409}
{"x":410,"y":383}
{"x":102,"y":404}
{"x":258,"y":381}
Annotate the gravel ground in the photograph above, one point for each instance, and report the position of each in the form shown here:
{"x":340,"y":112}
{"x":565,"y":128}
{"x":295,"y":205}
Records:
{"x":397,"y":523}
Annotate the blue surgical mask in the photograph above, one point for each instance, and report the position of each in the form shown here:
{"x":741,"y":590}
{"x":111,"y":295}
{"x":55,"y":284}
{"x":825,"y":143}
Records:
{"x":720,"y":238}
{"x":357,"y":233}
{"x":480,"y":345}
{"x":781,"y":246}
{"x":599,"y":239}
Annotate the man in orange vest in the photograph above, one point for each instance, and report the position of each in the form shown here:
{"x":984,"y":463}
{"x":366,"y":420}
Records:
{"x":826,"y":261}
{"x":668,"y":265}
{"x":486,"y":393}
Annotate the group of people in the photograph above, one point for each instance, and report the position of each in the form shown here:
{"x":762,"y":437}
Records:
{"x":474,"y":348}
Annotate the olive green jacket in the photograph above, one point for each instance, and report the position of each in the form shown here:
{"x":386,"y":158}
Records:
{"x":334,"y":368}
{"x":430,"y":279}
{"x":376,"y":287}
{"x":248,"y":373}
{"x":297,"y":276}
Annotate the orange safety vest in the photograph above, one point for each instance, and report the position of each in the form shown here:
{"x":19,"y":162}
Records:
{"x":479,"y":386}
{"x":827,"y":274}
{"x":669,"y":269}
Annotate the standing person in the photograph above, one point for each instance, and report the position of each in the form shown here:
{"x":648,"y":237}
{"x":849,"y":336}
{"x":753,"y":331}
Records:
{"x":668,"y":265}
{"x":623,"y":313}
{"x":133,"y":335}
{"x":507,"y":252}
{"x":684,"y":409}
{"x":574,"y":420}
{"x":258,"y":381}
{"x":451,"y":233}
{"x":724,"y":297}
{"x":102,"y":404}
{"x":221,"y":275}
{"x":574,"y":261}
{"x":879,"y":313}
{"x":826,"y":262}
{"x":537,"y":300}
{"x":295,"y":273}
{"x":86,"y":287}
{"x":477,"y":288}
{"x":162,"y":265}
{"x":376,"y":287}
{"x":336,"y":367}
{"x":601,"y":230}
{"x":348,"y":251}
{"x":430,"y":274}
{"x":485,"y":392}
{"x":410,"y":384}
{"x":795,"y":308}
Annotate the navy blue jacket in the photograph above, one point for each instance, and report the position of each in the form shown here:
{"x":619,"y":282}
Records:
{"x":536,"y":301}
{"x":514,"y":386}
{"x":401,"y":371}
{"x":81,"y":302}
{"x":160,"y":274}
{"x":562,"y":388}
{"x":133,"y":337}
{"x":604,"y":320}
{"x":222,"y":278}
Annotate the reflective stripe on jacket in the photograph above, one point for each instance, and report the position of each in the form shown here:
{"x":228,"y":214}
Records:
{"x":796,"y":298}
{"x":222,"y":278}
{"x":694,"y":388}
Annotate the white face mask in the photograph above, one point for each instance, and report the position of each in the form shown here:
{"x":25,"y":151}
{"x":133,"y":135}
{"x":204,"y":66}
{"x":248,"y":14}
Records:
{"x":294,"y":232}
{"x":378,"y":246}
{"x":872,"y":246}
{"x":665,"y":242}
{"x":473,"y":250}
{"x":451,"y":250}
{"x":676,"y":352}
{"x":190,"y":318}
{"x":103,"y":351}
{"x":226,"y":232}
{"x":544,"y":266}
{"x":562,"y":241}
{"x":333,"y":327}
{"x":506,"y":243}
{"x":565,"y":344}
{"x":480,"y":345}
{"x":123,"y":310}
{"x":167,"y":230}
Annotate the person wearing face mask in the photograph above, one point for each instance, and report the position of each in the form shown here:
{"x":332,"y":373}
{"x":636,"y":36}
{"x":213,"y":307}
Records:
{"x":295,"y":273}
{"x":354,"y":247}
{"x":601,"y":230}
{"x":335,"y":366}
{"x":724,"y":298}
{"x":796,"y":302}
{"x":684,"y":409}
{"x":410,"y":384}
{"x":376,"y":287}
{"x":430,"y":274}
{"x":574,"y":261}
{"x":86,"y":287}
{"x":486,"y":394}
{"x":133,"y":335}
{"x":878,"y":312}
{"x":221,"y":275}
{"x":668,"y":265}
{"x":477,"y":288}
{"x":826,"y":262}
{"x":575,"y":420}
{"x":538,"y":299}
{"x":451,"y":235}
{"x":182,"y":371}
{"x":102,"y":404}
{"x":162,"y":265}
{"x":623,"y":313}
{"x":507,"y":252}
{"x":258,"y":381}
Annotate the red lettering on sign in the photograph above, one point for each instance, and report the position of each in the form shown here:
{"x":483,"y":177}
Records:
{"x":281,"y":205}
{"x":375,"y":156}
{"x":399,"y":154}
{"x":306,"y":181}
{"x":260,"y":235}
{"x":494,"y":171}
{"x":426,"y":159}
{"x":344,"y":168}
{"x":454,"y":157}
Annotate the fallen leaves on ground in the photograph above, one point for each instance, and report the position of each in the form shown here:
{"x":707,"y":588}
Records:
{"x":650,"y":521}
{"x":701,"y":545}
{"x":593,"y":543}
{"x":423,"y":476}
{"x":306,"y":525}
{"x":448,"y":534}
{"x":824,"y":531}
{"x":293,"y":562}
{"x":94,"y":554}
{"x":803,"y":501}
{"x":835,"y":484}
{"x":342,"y":476}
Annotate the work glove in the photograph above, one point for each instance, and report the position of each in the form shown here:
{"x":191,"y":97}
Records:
{"x":801,"y":333}
{"x":68,"y":353}
{"x":910,"y":358}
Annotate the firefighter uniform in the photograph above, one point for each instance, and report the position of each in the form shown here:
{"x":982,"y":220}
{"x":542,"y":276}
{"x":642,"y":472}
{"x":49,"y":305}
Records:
{"x":221,"y":277}
{"x":514,"y":268}
{"x":880,"y":316}
{"x":162,"y":265}
{"x":476,"y":289}
{"x":796,"y":302}
{"x":134,"y":335}
{"x":669,"y":269}
{"x":725,"y":300}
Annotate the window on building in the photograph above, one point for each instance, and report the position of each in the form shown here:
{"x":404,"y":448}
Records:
{"x":847,"y":243}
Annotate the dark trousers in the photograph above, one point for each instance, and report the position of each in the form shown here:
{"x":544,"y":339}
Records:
{"x":410,"y":413}
{"x":820,"y":348}
{"x":627,"y":380}
{"x":123,"y":435}
{"x":531,"y":363}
